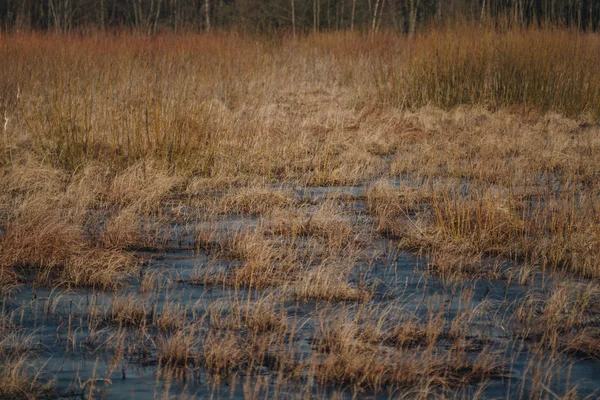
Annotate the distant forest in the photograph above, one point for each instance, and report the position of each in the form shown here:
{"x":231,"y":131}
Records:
{"x":293,"y":16}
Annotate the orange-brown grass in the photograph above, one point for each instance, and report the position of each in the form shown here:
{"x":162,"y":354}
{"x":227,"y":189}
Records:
{"x":54,"y":252}
{"x":226,"y":353}
{"x":207,"y":121}
{"x":563,"y":319}
{"x":258,"y":316}
{"x":460,"y":224}
{"x":327,"y":221}
{"x":311,"y":268}
{"x":223,"y":353}
{"x":123,"y":230}
{"x":254,"y":200}
{"x":128,"y":310}
{"x":546,"y":69}
{"x":19,"y":380}
{"x":352,"y":353}
{"x":141,"y":187}
{"x":19,"y":377}
{"x":329,"y":281}
{"x":264,"y":261}
{"x":178,"y":348}
{"x":393,"y":207}
{"x":474,"y":146}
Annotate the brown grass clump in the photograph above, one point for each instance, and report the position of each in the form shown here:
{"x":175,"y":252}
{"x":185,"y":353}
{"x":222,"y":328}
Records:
{"x":347,"y":359}
{"x":222,"y":354}
{"x":30,"y":177}
{"x":19,"y":377}
{"x":225,"y":353}
{"x":172,"y":317}
{"x":563,"y":318}
{"x":254,"y":200}
{"x":142,"y":187}
{"x":53,"y":250}
{"x":19,"y":380}
{"x":329,"y":281}
{"x":39,"y":240}
{"x":123,"y":230}
{"x":327,"y":221}
{"x":394,"y":207}
{"x":177,"y":349}
{"x":265,"y":262}
{"x":259,"y":316}
{"x":127,"y":310}
{"x":98,"y":268}
{"x":87,"y":190}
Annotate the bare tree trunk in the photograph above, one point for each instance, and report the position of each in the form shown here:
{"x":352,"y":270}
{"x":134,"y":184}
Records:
{"x":315,"y":16}
{"x":353,"y":13}
{"x":157,"y":16}
{"x":579,"y":8}
{"x":207,"y":14}
{"x":380,"y":16}
{"x":412,"y":22}
{"x":318,"y":15}
{"x":61,"y":13}
{"x":138,"y":19}
{"x":591,"y":19}
{"x":374,"y":16}
{"x":102,"y":14}
{"x":483,"y":4}
{"x":293,"y":18}
{"x":148,"y":18}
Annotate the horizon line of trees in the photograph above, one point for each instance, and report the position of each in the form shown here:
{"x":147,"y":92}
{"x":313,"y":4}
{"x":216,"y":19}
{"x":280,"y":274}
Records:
{"x":294,"y":16}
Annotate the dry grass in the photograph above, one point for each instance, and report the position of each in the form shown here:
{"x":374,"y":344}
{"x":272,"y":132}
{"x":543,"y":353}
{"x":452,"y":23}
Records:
{"x":121,"y":143}
{"x":123,"y":230}
{"x":19,"y":377}
{"x":476,"y":148}
{"x":222,"y":354}
{"x":327,"y":221}
{"x":548,"y":70}
{"x":353,"y":353}
{"x":265,"y":261}
{"x":54,"y":253}
{"x":177,"y":349}
{"x":19,"y":380}
{"x":141,"y":187}
{"x":563,"y":319}
{"x":254,"y":200}
{"x":329,"y":281}
{"x":259,"y":316}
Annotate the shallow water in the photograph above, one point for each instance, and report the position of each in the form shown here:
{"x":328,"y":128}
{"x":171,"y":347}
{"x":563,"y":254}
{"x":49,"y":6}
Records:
{"x":76,"y":353}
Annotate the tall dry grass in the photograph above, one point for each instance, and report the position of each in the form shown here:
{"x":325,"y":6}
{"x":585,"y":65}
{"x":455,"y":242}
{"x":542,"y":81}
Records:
{"x":121,"y":124}
{"x":212,"y":104}
{"x":112,"y":143}
{"x":545,"y":69}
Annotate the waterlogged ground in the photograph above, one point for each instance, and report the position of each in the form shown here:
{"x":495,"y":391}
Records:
{"x":191,"y":325}
{"x":221,"y":216}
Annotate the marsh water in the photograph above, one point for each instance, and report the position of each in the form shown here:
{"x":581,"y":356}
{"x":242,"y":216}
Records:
{"x":77,"y":354}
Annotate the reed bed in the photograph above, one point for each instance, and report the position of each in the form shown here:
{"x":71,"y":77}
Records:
{"x":295,"y":170}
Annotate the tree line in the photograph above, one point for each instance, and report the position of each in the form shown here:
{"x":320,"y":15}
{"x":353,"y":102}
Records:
{"x":293,"y":16}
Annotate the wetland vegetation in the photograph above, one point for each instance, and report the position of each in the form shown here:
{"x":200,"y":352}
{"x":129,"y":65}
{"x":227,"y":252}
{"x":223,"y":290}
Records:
{"x":331,"y":215}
